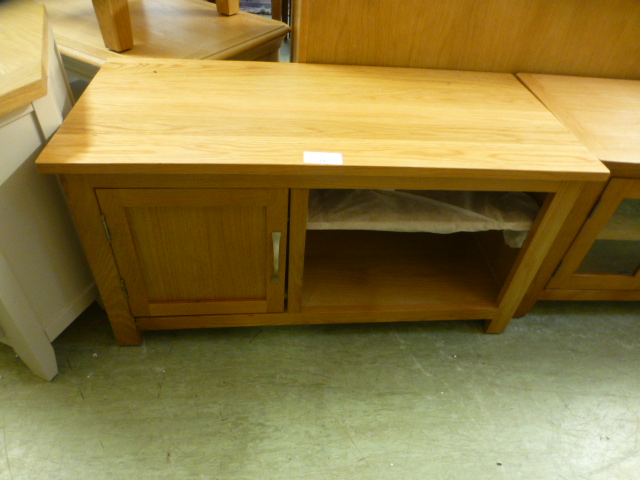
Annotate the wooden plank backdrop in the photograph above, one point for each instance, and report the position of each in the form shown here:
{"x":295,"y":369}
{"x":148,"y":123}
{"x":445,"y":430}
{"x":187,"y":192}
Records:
{"x":571,"y":37}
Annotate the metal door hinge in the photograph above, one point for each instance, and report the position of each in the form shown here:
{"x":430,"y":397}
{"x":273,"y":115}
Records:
{"x":124,"y":290}
{"x":106,"y":227}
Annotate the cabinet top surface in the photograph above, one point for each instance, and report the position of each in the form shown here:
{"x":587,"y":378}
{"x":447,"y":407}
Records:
{"x":192,"y":117}
{"x":603,"y":113}
{"x":23,"y":54}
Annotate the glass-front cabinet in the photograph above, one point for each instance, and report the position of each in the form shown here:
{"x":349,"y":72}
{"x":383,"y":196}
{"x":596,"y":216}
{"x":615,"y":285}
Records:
{"x":606,"y":253}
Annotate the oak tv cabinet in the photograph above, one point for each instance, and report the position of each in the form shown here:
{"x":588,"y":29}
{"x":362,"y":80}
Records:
{"x":192,"y":200}
{"x":597,"y":257}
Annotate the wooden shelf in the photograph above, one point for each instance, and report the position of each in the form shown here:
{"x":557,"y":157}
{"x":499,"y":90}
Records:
{"x":396,"y":271}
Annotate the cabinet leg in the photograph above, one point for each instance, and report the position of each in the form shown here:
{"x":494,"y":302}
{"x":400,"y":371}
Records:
{"x":123,"y":331}
{"x":543,"y":234}
{"x":588,"y":198}
{"x":525,"y":307}
{"x":19,"y":327}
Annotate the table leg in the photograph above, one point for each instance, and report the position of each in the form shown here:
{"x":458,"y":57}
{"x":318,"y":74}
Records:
{"x":542,"y":236}
{"x":115,"y":23}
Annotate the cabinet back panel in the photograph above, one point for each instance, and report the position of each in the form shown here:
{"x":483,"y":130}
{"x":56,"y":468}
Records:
{"x":571,"y":37}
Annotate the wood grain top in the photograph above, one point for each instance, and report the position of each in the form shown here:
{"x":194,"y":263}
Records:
{"x":161,"y":29}
{"x":23,"y":54}
{"x":603,"y":113}
{"x":195,"y":117}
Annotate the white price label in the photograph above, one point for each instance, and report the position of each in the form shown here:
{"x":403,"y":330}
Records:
{"x":323,"y":158}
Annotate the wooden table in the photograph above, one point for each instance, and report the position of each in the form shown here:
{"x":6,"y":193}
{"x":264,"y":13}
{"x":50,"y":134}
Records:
{"x":192,"y":207}
{"x":598,"y":254}
{"x":162,"y":29}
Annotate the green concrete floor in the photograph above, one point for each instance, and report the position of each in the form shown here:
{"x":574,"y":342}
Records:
{"x":555,"y":397}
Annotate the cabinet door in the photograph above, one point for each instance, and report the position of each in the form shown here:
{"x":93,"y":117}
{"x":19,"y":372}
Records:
{"x":606,"y":253}
{"x":199,"y":251}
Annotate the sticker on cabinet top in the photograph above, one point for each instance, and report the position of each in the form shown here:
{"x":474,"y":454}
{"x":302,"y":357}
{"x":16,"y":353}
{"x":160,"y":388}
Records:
{"x":323,"y":158}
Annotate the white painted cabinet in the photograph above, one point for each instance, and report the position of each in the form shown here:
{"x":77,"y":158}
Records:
{"x":45,"y":282}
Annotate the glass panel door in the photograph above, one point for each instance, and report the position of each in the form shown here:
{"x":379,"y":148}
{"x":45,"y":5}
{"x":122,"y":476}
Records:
{"x":616,"y":250}
{"x":606,"y":253}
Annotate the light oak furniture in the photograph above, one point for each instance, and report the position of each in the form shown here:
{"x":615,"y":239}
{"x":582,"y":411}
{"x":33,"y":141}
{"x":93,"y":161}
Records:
{"x":162,"y":29}
{"x":193,"y":207}
{"x":601,"y":262}
{"x":115,"y":23}
{"x":568,"y":37}
{"x":281,"y":10}
{"x":45,"y":282}
{"x":228,"y":7}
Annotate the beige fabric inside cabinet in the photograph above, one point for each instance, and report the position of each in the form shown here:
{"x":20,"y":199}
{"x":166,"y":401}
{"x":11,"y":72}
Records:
{"x":423,"y":211}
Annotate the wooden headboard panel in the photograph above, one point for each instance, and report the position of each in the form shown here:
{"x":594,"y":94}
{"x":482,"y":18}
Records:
{"x":598,"y":38}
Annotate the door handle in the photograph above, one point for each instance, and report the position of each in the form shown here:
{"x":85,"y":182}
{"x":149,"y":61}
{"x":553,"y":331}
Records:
{"x":275,"y":238}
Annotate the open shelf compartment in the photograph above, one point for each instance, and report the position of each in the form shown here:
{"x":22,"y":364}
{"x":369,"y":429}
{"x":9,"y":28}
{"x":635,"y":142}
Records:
{"x":395,"y":271}
{"x":366,"y":267}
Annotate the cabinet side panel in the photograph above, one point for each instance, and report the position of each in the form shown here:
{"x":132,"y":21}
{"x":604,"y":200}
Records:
{"x":86,"y":213}
{"x":38,"y":238}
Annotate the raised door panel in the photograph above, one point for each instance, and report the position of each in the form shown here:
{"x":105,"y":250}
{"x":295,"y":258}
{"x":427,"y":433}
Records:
{"x":606,"y":253}
{"x":198,"y":251}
